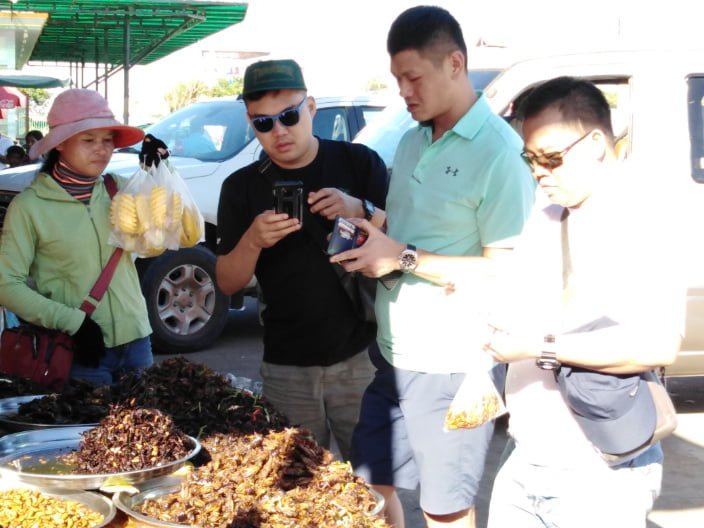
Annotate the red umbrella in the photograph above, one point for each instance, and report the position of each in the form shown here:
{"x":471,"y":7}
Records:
{"x":11,"y":97}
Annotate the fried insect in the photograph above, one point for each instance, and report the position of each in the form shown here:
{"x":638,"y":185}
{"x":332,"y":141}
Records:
{"x":279,"y":479}
{"x":129,"y":439}
{"x":200,"y":401}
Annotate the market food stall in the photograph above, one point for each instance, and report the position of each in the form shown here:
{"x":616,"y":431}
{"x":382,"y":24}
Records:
{"x":178,"y":446}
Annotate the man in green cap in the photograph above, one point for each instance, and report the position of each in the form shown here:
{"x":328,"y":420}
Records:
{"x":316,"y":365}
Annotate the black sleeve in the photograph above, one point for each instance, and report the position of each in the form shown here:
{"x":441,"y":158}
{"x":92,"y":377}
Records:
{"x":233,"y":212}
{"x":371,"y":171}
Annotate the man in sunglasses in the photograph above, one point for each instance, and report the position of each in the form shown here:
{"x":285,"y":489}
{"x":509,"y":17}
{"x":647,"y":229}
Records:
{"x":315,"y":366}
{"x":458,"y":198}
{"x":587,"y":307}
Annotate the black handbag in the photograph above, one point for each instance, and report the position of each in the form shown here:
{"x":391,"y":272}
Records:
{"x":361,"y":290}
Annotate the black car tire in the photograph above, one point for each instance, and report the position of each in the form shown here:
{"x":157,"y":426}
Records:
{"x":186,"y":309}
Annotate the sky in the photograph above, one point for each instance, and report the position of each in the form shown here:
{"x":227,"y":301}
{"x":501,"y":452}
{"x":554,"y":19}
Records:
{"x":341,"y":44}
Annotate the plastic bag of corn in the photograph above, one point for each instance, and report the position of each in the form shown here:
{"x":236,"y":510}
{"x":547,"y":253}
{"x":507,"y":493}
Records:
{"x":154,"y":212}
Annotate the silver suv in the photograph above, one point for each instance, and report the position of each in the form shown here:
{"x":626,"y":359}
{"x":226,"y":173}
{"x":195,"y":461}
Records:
{"x":186,"y":309}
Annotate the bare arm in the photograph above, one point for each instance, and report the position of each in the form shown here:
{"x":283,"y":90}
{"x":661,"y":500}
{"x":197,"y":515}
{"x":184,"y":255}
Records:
{"x":235,"y":269}
{"x":379,"y":256}
{"x":616,"y":349}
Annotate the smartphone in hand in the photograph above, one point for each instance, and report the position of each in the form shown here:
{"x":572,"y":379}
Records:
{"x":345,"y":235}
{"x":288,"y":198}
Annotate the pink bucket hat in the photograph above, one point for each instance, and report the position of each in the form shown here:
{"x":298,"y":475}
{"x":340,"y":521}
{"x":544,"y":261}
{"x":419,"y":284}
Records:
{"x":77,"y":110}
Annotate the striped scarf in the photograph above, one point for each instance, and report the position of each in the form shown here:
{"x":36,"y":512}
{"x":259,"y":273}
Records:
{"x":77,"y":185}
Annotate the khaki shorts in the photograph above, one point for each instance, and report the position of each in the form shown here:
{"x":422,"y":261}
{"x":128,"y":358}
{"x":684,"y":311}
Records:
{"x":323,"y":400}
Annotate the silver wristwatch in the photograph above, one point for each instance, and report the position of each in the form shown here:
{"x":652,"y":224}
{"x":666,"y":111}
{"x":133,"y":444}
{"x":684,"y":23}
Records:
{"x":548,"y":356}
{"x":408,"y":259}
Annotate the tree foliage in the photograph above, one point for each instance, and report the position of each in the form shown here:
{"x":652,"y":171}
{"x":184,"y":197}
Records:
{"x":189,"y":92}
{"x":375,"y":85}
{"x":231,"y":86}
{"x":184,"y":94}
{"x":38,"y":96}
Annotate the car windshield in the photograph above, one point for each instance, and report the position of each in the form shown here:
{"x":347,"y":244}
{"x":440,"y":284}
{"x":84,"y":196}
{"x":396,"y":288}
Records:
{"x":384,"y":133}
{"x":208,"y":131}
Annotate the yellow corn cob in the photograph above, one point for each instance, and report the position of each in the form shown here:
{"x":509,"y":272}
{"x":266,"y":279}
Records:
{"x":158,"y":202}
{"x":130,"y":243}
{"x":192,"y":228}
{"x":143,"y":212}
{"x":123,"y":214}
{"x":176,"y":211}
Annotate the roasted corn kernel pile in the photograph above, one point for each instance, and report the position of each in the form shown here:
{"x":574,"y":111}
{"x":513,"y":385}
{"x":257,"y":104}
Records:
{"x":24,"y":508}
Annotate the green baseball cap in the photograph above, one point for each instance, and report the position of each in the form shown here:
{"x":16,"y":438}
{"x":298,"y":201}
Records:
{"x":263,"y":76}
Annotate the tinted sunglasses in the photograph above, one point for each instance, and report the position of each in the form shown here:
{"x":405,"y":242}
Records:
{"x":550,"y":160}
{"x":288,"y":118}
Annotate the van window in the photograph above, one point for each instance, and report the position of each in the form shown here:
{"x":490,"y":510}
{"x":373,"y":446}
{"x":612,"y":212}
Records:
{"x":331,"y":123}
{"x":618,"y":94}
{"x":695,"y":103}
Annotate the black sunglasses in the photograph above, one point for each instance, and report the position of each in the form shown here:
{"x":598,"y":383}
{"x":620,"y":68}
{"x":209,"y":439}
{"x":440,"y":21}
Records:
{"x":288,"y":118}
{"x":550,"y":160}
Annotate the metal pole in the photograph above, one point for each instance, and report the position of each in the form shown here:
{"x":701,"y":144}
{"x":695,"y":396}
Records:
{"x":107,"y":59}
{"x":126,"y":73}
{"x":97,"y":64}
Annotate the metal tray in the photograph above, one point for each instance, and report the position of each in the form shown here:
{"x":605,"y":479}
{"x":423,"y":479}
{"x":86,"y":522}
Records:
{"x":11,"y":422}
{"x":37,"y":449}
{"x":154,"y":489}
{"x":128,"y":504}
{"x":15,"y":442}
{"x":94,"y":501}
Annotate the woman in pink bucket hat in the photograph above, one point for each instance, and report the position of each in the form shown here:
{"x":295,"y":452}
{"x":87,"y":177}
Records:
{"x":56,"y":234}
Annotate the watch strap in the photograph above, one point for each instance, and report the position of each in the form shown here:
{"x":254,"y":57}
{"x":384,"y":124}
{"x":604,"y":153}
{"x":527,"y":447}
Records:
{"x":548,"y":355}
{"x":369,"y":209}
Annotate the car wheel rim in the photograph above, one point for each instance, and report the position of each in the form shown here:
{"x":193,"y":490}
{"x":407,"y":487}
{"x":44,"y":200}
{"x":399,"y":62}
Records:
{"x":186,"y":299}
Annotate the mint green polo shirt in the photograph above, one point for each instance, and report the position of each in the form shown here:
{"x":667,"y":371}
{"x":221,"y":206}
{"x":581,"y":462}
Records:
{"x":468,"y":190}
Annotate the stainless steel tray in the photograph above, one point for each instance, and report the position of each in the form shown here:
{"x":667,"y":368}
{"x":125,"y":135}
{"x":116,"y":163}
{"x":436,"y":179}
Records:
{"x":94,"y":501}
{"x":129,"y":504}
{"x":10,"y":421}
{"x":15,"y":442}
{"x":28,"y":456}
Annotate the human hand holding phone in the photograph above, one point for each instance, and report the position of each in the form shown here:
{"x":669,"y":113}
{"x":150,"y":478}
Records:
{"x":269,"y":227}
{"x":288,"y":198}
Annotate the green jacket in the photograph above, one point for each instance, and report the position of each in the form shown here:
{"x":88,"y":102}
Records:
{"x":62,"y":245}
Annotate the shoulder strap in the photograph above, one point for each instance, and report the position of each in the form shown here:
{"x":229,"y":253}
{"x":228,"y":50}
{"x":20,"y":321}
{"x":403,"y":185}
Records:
{"x":110,"y":185}
{"x":101,"y":285}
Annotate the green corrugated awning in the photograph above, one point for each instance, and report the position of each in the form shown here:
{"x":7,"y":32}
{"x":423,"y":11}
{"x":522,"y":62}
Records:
{"x":93,"y":31}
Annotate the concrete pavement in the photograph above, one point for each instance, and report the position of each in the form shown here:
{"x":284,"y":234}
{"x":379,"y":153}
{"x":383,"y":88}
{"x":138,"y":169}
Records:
{"x":681,"y":504}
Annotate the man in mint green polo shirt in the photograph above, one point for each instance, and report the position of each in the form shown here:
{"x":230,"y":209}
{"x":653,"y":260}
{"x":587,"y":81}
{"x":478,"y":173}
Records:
{"x":458,"y":198}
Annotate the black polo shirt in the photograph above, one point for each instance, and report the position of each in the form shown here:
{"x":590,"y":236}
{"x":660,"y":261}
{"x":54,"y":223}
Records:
{"x":309,"y":319}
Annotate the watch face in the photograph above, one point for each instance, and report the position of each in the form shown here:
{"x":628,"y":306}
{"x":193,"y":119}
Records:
{"x":548,"y":364}
{"x":408,"y":260}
